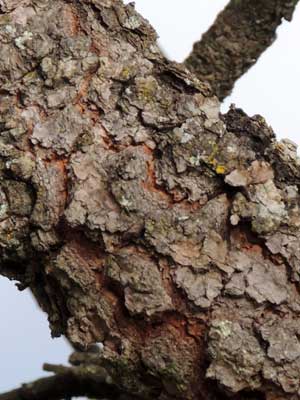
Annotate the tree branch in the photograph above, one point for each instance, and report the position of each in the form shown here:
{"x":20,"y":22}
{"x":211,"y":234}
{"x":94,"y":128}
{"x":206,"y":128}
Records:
{"x":67,"y":382}
{"x":138,"y":217}
{"x":240,"y":34}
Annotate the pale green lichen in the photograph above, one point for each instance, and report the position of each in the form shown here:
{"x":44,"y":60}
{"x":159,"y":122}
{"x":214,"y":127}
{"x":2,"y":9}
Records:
{"x":125,"y":202}
{"x":21,"y":40}
{"x":224,"y":328}
{"x":9,"y":28}
{"x":3,"y":210}
{"x":195,"y":160}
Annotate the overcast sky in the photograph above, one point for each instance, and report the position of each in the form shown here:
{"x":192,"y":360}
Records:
{"x":271,"y":88}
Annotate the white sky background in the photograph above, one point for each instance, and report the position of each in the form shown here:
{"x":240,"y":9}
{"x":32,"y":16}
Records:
{"x":271,"y":88}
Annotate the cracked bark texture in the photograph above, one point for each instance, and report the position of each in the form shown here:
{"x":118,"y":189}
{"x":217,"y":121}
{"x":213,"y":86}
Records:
{"x":238,"y":37}
{"x":138,"y":215}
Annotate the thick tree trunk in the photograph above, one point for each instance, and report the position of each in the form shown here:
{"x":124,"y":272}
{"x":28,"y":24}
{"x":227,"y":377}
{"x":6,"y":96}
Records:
{"x":138,"y":216}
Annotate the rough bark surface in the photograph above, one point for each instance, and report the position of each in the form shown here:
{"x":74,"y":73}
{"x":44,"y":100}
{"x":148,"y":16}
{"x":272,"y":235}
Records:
{"x":138,"y":216}
{"x":68,"y":382}
{"x":240,"y":34}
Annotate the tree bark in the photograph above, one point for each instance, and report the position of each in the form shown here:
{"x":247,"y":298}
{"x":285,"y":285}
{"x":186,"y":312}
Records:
{"x":67,"y":382}
{"x":138,"y":215}
{"x":236,"y":40}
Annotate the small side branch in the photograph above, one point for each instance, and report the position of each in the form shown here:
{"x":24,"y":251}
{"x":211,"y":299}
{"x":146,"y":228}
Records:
{"x":240,"y":34}
{"x":67,"y":382}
